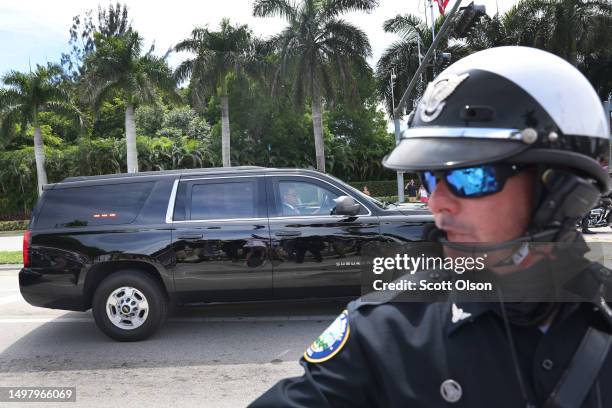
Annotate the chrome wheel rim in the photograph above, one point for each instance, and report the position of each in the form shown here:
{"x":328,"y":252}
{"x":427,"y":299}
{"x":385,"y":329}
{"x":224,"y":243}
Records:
{"x":127,"y":308}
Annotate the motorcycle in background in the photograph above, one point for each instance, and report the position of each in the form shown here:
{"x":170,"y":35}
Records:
{"x":601,"y":215}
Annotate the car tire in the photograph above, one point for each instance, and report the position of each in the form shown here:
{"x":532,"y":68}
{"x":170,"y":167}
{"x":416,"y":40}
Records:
{"x":129,"y":305}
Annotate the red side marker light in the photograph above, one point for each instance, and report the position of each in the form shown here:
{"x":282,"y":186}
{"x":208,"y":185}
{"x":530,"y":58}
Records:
{"x":26,"y":248}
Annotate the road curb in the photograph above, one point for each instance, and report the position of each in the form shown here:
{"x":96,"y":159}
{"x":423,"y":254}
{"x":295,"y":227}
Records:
{"x":7,"y":267}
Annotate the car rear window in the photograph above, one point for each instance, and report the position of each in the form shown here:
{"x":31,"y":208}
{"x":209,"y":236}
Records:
{"x":223,"y":200}
{"x":93,"y":205}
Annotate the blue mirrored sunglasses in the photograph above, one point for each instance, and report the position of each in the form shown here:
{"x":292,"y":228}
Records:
{"x":471,"y":182}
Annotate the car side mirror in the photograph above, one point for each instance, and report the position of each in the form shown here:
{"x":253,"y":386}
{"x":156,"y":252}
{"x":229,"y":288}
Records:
{"x":346,"y":205}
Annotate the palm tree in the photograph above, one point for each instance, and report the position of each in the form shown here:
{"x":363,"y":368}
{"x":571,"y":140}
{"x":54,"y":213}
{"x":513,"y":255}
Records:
{"x":567,"y":28}
{"x":219,"y":55}
{"x":578,"y":31}
{"x":403,"y":58}
{"x":318,"y":51}
{"x":116,"y":66}
{"x":24,"y":97}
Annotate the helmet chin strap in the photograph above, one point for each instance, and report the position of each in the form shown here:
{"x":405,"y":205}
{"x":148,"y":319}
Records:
{"x":502,"y":245}
{"x":438,"y":235}
{"x":551,"y":234}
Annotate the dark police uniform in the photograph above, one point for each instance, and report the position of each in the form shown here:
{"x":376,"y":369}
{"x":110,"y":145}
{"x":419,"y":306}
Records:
{"x":390,"y":354}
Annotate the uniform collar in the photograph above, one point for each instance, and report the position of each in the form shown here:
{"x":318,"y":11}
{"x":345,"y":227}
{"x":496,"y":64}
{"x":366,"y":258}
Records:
{"x":465,"y":313}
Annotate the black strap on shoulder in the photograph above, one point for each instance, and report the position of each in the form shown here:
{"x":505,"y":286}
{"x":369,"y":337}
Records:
{"x":577,"y":380}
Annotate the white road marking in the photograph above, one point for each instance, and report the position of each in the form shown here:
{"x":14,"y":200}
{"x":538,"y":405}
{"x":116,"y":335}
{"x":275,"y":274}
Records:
{"x":18,"y":319}
{"x":47,"y":320}
{"x":11,"y":299}
{"x":282,"y":354}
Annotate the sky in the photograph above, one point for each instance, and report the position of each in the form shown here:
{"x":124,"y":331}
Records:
{"x":37,"y":31}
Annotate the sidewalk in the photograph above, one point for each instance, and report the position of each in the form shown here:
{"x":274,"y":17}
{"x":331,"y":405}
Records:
{"x":11,"y":267}
{"x":14,"y":243}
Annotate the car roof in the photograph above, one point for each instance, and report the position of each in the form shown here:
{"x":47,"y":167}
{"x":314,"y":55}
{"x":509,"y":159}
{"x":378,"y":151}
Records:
{"x":182,"y":172}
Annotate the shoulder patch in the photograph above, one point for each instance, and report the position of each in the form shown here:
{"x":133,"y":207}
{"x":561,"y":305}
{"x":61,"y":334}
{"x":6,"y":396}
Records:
{"x":330,"y":342}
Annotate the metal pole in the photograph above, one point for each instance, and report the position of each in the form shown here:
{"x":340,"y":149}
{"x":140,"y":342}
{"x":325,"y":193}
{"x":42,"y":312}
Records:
{"x":400,"y":175}
{"x":433,"y":33}
{"x":433,"y":21}
{"x":392,"y":93}
{"x":608,"y":109}
{"x":419,"y":49}
{"x":420,"y":86}
{"x":430,"y":51}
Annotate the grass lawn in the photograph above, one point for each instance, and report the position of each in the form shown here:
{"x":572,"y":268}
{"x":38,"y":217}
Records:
{"x":11,"y":257}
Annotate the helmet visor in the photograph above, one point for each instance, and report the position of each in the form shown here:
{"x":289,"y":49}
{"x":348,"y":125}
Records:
{"x":440,"y":153}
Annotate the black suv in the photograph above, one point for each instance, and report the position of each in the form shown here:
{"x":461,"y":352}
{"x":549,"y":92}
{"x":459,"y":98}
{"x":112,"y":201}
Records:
{"x":128,"y":245}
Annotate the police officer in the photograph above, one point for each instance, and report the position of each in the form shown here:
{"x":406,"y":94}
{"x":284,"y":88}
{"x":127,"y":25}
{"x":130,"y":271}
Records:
{"x":506,"y":141}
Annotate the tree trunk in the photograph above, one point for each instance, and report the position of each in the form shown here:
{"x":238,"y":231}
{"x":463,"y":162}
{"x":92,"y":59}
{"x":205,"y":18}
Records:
{"x":225,"y":132}
{"x":130,"y":139}
{"x":317,"y":126}
{"x":39,"y":155}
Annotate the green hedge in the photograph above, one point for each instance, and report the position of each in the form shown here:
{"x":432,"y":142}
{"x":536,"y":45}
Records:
{"x":377,"y":188}
{"x":14,"y":225}
{"x":12,"y":216}
{"x":89,"y":157}
{"x":383,"y":188}
{"x":388,"y":199}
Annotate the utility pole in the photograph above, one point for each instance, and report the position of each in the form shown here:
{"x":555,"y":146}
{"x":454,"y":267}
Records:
{"x":608,"y":110}
{"x":420,"y":86}
{"x":433,"y":33}
{"x":400,"y":174}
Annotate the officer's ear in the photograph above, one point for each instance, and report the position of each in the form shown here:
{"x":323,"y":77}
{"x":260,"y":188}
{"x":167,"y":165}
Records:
{"x":564,"y":195}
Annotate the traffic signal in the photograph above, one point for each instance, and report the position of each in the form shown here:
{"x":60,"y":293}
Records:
{"x":466,"y":17}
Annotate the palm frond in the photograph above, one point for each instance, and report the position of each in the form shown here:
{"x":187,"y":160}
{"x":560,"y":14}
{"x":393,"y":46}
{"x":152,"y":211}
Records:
{"x":8,"y":120}
{"x":9,"y":98}
{"x":16,"y":79}
{"x":333,"y":8}
{"x":339,"y":36}
{"x":67,"y":109}
{"x":183,"y":71}
{"x":271,"y":8}
{"x":406,"y":25}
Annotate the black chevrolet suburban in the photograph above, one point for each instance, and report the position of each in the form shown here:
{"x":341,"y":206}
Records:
{"x":129,"y":245}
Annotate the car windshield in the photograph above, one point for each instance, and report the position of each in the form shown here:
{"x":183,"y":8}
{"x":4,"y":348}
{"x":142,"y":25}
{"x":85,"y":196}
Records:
{"x":360,"y":194}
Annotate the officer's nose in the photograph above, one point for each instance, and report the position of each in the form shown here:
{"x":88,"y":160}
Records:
{"x":442,"y":200}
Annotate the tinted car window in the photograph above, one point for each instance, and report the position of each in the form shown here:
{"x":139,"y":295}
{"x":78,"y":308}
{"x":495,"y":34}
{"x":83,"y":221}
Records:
{"x":223,"y":200}
{"x":93,"y":205}
{"x":304,"y":198}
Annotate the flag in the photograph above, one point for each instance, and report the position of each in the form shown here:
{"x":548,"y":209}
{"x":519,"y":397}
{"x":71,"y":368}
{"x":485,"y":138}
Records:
{"x":442,"y":5}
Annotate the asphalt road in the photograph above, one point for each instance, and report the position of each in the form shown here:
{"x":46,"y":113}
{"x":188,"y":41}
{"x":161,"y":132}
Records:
{"x":214,"y":356}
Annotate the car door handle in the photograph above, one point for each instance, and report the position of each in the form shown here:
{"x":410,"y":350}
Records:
{"x":190,"y":237}
{"x":288,"y":233}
